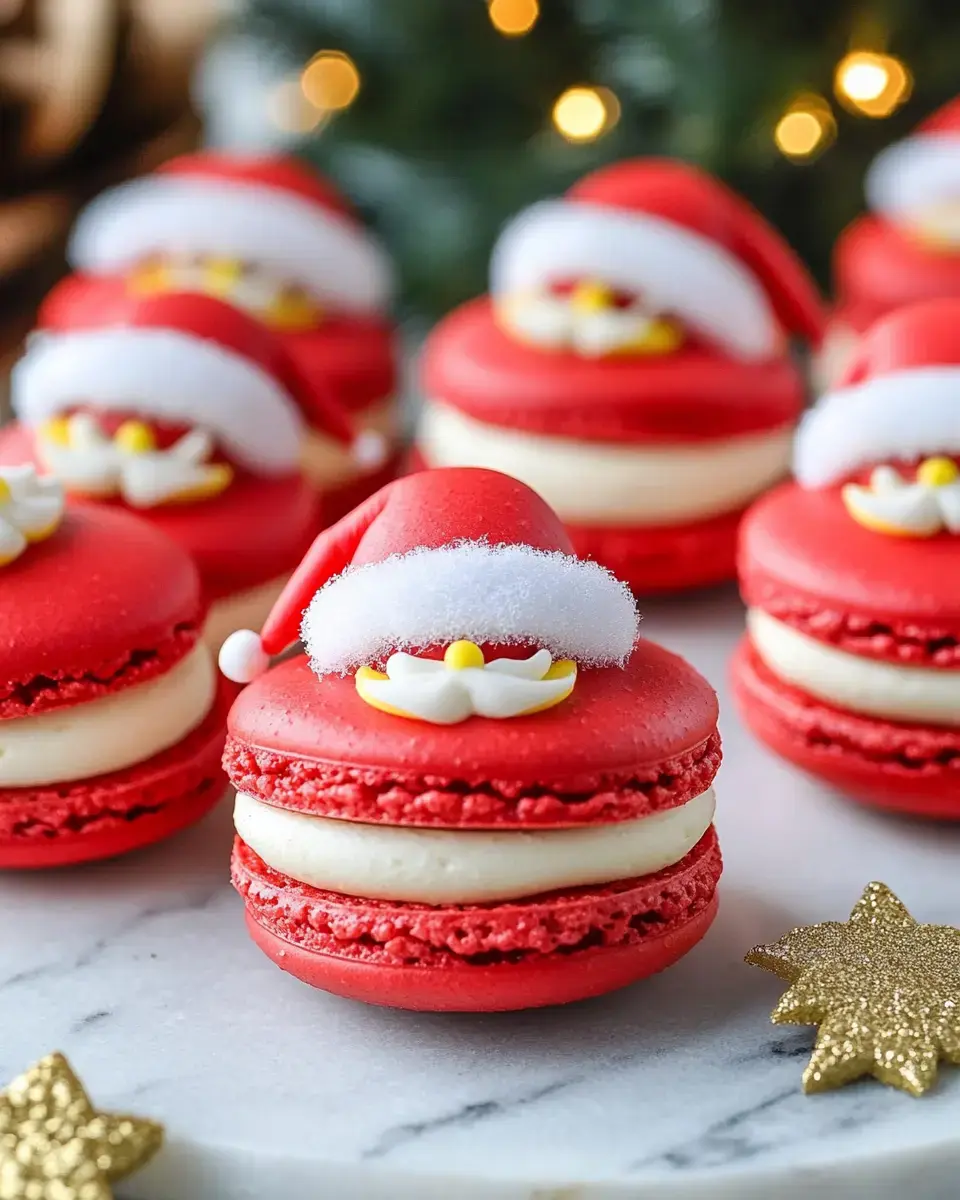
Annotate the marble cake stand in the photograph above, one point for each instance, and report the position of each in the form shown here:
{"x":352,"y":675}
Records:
{"x":678,"y":1088}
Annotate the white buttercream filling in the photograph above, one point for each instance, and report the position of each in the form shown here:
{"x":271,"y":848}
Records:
{"x":606,"y":483}
{"x":847,"y":681}
{"x":458,"y":866}
{"x":110,"y":733}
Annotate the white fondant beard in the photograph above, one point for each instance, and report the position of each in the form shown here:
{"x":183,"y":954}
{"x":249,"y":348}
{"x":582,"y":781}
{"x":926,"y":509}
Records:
{"x":465,"y":866}
{"x":30,"y":509}
{"x":552,"y":322}
{"x":93,"y":464}
{"x":426,"y":688}
{"x":901,"y":507}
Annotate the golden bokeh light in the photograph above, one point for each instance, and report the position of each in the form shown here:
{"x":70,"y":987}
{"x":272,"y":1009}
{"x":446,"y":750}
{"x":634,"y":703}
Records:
{"x":805,"y":129}
{"x":874,"y":85}
{"x":513,"y":18}
{"x":330,"y":80}
{"x":290,"y":110}
{"x":582,"y":114}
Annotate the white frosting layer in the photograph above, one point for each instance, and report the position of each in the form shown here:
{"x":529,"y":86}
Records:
{"x":862,"y":685}
{"x":454,"y":866}
{"x":601,"y":483}
{"x":108,"y":734}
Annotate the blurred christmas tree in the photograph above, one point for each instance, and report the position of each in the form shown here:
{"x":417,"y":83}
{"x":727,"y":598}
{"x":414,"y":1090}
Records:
{"x":442,"y":117}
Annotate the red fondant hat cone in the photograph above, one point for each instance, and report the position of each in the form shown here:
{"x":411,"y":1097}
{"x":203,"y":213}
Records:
{"x":896,"y":400}
{"x":672,"y":232}
{"x":274,"y":211}
{"x":182,"y":357}
{"x":403,"y":570}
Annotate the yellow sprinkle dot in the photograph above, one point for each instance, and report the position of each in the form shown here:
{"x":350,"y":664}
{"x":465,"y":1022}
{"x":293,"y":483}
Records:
{"x":56,"y":430}
{"x":461,"y":655}
{"x":938,"y":472}
{"x":135,"y":438}
{"x":591,"y":296}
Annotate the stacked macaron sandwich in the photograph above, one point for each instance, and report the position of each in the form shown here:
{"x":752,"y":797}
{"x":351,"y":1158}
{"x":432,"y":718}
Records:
{"x":270,"y":236}
{"x":631,"y":364}
{"x":852,"y":577}
{"x":907,"y":247}
{"x":111,"y":719}
{"x":477,"y":790}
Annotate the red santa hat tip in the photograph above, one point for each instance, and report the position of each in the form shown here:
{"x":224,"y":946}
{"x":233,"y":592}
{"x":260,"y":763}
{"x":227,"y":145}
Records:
{"x":184,"y":357}
{"x":896,"y":401}
{"x":920,"y":171}
{"x":273,"y":210}
{"x":682,"y":240}
{"x":434,"y":557}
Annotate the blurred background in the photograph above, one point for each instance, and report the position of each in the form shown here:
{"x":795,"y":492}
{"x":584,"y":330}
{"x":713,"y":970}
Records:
{"x":442,"y":117}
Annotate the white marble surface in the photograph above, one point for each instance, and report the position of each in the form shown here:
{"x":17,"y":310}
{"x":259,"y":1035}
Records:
{"x":678,"y":1088}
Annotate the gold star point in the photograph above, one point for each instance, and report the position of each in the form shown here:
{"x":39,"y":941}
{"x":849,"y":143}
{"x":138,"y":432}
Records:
{"x":883,"y":989}
{"x":54,"y":1145}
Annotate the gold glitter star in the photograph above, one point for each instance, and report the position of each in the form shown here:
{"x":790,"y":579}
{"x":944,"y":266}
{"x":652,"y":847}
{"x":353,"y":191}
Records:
{"x":54,"y":1145}
{"x":884,"y":990}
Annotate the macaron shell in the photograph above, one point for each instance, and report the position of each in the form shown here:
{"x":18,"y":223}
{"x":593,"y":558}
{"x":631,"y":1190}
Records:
{"x":910,"y":769}
{"x":801,"y":552}
{"x":667,"y":558}
{"x":414,"y":957}
{"x":105,"y":602}
{"x":693,"y":395}
{"x":878,"y":267}
{"x":254,"y":531}
{"x":582,"y":745}
{"x":392,"y":797}
{"x":125,"y":810}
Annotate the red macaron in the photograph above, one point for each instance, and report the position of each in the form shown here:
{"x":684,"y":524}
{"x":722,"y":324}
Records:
{"x":104,"y":607}
{"x":624,"y":750}
{"x":314,"y":747}
{"x":630,"y":364}
{"x":805,"y":563}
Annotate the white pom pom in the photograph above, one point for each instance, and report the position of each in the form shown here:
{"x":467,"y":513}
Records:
{"x":242,"y":656}
{"x":369,"y":449}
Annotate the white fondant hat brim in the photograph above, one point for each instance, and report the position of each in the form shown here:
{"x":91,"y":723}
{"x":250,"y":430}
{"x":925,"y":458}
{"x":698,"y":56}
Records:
{"x":330,"y":255}
{"x":677,"y":269}
{"x":902,"y":416}
{"x":168,"y":375}
{"x":912,"y":175}
{"x":505,"y":594}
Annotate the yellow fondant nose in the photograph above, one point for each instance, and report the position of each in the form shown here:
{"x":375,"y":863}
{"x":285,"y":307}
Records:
{"x":461,"y":655}
{"x":56,"y":430}
{"x":221,"y":275}
{"x":938,"y":472}
{"x":135,"y":438}
{"x":591,"y":296}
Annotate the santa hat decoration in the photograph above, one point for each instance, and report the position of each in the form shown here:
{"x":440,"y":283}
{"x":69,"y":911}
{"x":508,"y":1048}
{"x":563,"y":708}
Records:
{"x":433,"y":558}
{"x":274,"y":211}
{"x":182,"y":358}
{"x":919,"y":172}
{"x":897,"y":400}
{"x":678,"y":237}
